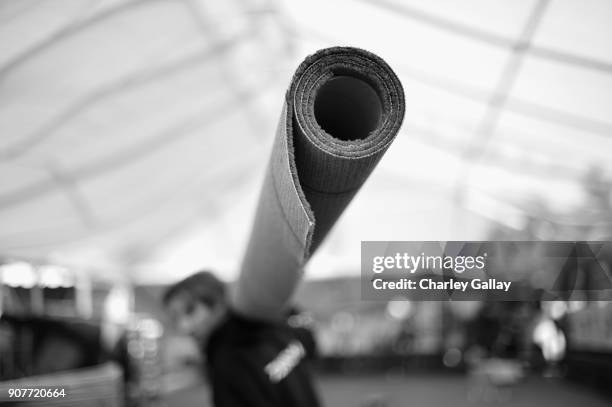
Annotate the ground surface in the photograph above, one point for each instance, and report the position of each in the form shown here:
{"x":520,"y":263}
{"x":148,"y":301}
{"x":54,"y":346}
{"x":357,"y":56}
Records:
{"x":431,"y":390}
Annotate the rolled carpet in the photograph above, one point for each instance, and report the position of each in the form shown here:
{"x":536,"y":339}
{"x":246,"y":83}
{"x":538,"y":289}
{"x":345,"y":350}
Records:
{"x":342,"y":110}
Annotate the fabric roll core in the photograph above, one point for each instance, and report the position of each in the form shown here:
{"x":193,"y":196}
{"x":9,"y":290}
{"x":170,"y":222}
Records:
{"x":343,"y":108}
{"x":347,"y":108}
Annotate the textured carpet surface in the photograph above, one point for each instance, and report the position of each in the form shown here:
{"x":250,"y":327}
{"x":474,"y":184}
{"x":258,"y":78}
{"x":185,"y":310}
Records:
{"x":342,"y":110}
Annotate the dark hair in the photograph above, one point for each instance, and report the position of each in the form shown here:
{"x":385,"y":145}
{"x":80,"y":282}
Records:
{"x":202,"y":286}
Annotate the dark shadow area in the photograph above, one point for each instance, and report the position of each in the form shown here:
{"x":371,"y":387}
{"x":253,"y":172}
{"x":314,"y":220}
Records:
{"x":347,"y":108}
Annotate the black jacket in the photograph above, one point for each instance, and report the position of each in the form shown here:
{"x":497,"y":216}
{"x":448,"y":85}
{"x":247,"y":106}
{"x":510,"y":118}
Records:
{"x":256,"y":363}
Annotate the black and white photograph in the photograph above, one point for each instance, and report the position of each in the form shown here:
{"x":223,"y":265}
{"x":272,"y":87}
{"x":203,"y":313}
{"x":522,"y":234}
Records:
{"x":342,"y":203}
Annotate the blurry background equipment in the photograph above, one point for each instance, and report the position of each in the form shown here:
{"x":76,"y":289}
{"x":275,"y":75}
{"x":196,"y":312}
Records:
{"x":101,"y":386}
{"x":145,"y":154}
{"x":143,"y":339}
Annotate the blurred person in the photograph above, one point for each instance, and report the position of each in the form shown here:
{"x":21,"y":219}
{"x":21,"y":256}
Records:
{"x":248,"y":362}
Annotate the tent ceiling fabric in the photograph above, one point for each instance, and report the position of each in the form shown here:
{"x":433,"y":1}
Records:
{"x":134,"y":134}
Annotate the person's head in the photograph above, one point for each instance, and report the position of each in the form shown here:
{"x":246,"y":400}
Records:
{"x":196,"y":304}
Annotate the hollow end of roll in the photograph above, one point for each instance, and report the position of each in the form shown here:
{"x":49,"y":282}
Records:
{"x":347,"y":108}
{"x":345,"y":102}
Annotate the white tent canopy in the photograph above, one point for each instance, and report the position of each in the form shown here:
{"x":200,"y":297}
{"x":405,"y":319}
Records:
{"x":134,"y":134}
